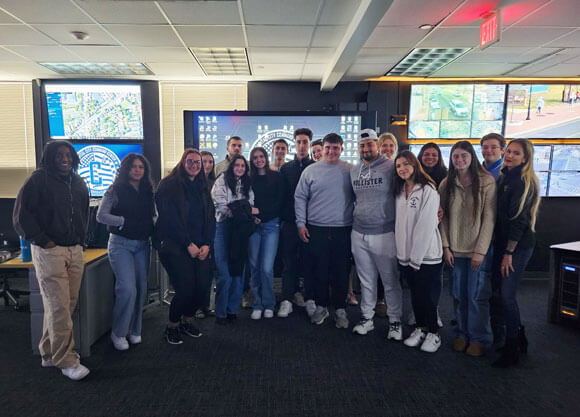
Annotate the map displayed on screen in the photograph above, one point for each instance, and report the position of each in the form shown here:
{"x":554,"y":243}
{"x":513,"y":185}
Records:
{"x":94,"y":111}
{"x":566,"y":157}
{"x":543,"y":179}
{"x":542,"y":154}
{"x":459,"y":110}
{"x":543,"y":111}
{"x":214,"y":131}
{"x":99,"y":164}
{"x":564,"y":183}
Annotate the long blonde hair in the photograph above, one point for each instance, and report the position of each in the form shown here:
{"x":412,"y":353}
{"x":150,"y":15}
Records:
{"x":389,"y":135}
{"x":531,"y":183}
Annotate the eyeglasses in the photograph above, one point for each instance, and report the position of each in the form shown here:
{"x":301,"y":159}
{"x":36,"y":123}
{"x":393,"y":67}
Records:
{"x":193,"y":162}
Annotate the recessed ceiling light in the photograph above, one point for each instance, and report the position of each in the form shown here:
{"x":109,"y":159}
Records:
{"x":426,"y":26}
{"x":223,"y":61}
{"x":90,"y":68}
{"x":423,"y":62}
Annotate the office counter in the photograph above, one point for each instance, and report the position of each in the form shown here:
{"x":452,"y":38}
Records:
{"x":93,"y":314}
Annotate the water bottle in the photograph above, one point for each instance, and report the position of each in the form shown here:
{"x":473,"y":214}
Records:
{"x":25,"y":253}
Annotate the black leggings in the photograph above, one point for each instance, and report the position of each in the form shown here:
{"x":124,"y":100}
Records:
{"x":425,"y":286}
{"x":189,"y":280}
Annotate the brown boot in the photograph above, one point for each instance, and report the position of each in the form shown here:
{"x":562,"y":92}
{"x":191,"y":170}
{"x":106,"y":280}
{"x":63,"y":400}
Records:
{"x":459,"y":344}
{"x":381,"y":309}
{"x":475,"y":349}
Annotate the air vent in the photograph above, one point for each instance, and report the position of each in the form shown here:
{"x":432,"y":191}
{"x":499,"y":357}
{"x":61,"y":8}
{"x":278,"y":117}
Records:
{"x":223,"y":61}
{"x":422,"y":62}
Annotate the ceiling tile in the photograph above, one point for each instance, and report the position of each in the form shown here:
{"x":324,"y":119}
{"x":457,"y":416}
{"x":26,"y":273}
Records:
{"x":520,"y":37}
{"x":126,"y":12}
{"x":319,"y":55}
{"x":103,"y":53}
{"x":504,"y":54}
{"x":278,"y":55}
{"x":22,"y":35}
{"x":62,"y":34}
{"x":146,"y":54}
{"x":7,"y":56}
{"x":328,"y":36}
{"x":47,"y":53}
{"x":451,"y":37}
{"x":560,"y":70}
{"x":381,"y":55}
{"x":144,"y":35}
{"x":400,"y":36}
{"x":561,"y":13}
{"x":338,"y":12}
{"x":417,"y":12}
{"x":367,"y":70}
{"x":474,"y":70}
{"x":51,"y":11}
{"x":212,"y":36}
{"x":6,"y":18}
{"x":202,"y":12}
{"x":277,"y":69}
{"x":571,"y":40}
{"x":23,"y":71}
{"x":280,"y":12}
{"x":287,"y":36}
{"x":575,"y":53}
{"x":313,"y":71}
{"x":177,"y":69}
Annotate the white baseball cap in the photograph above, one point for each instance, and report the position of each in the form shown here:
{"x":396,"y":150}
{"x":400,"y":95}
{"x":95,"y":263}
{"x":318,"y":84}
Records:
{"x":367,"y":134}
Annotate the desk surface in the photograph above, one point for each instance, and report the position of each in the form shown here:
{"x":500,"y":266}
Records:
{"x":91,"y":255}
{"x":571,"y":246}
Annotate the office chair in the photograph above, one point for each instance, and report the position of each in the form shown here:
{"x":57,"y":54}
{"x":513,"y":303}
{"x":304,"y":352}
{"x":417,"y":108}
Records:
{"x":10,"y":296}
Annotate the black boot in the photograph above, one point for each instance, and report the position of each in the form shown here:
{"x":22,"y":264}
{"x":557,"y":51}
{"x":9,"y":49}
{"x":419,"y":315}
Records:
{"x":498,"y":335}
{"x":522,"y":340}
{"x":510,"y":354}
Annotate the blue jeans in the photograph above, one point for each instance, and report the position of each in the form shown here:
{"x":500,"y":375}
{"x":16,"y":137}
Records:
{"x":228,"y":289}
{"x":471,"y":294}
{"x":263,"y":247}
{"x":130,"y":262}
{"x":508,"y":287}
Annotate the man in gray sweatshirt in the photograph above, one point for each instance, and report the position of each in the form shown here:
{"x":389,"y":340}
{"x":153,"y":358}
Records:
{"x":323,"y":202}
{"x":373,"y":234}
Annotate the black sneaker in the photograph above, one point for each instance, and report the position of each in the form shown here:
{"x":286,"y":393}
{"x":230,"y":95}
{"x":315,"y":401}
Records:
{"x":189,"y":329}
{"x":172,"y":336}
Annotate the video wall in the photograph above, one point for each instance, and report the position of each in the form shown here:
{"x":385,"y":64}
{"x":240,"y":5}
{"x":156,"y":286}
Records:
{"x":211,"y":130}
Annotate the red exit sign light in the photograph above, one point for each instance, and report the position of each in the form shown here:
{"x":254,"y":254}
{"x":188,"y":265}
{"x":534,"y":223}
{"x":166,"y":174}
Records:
{"x":490,"y":30}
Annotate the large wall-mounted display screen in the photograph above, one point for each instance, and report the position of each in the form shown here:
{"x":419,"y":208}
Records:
{"x":455,"y":111}
{"x":94,"y":110}
{"x":214,"y":129}
{"x":100,"y":162}
{"x":538,"y":111}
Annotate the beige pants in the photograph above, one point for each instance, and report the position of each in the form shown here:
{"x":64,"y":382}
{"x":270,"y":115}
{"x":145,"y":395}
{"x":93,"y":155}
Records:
{"x":59,"y":271}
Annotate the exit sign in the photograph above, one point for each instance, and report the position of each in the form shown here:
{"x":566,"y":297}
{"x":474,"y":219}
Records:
{"x":490,"y":30}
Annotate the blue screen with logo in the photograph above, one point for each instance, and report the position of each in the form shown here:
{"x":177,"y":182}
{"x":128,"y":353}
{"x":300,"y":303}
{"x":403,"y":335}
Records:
{"x":214,"y":131}
{"x":100,"y":162}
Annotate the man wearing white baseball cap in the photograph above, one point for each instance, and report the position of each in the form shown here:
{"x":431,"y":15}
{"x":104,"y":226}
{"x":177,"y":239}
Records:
{"x":373,"y":234}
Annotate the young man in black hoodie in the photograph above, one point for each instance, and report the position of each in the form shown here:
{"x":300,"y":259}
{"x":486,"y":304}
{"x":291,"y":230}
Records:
{"x":51,"y":211}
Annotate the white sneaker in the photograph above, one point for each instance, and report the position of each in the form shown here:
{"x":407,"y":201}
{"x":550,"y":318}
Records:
{"x":319,"y":315}
{"x":256,"y":315}
{"x":47,"y":363}
{"x":134,"y":339}
{"x":439,"y":321}
{"x":299,"y":299}
{"x":76,"y":373}
{"x":364,"y":326}
{"x":285,"y":308}
{"x":340,"y":318}
{"x":310,"y":307}
{"x":120,"y":343}
{"x":416,"y":338}
{"x":431,"y":343}
{"x":268,"y":314}
{"x":395,"y":331}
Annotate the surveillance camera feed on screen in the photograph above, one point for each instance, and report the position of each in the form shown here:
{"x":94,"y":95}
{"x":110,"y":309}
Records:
{"x":543,"y":111}
{"x":255,"y":130}
{"x":100,"y":162}
{"x":455,"y":111}
{"x":94,"y":111}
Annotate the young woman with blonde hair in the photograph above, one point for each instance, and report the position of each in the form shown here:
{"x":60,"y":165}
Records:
{"x":388,"y":145}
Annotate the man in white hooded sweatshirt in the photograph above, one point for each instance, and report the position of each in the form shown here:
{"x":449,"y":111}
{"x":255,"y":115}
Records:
{"x":373,"y":234}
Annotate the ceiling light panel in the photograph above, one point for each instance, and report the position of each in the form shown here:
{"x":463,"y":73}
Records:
{"x":83,"y":68}
{"x":223,"y":61}
{"x":422,"y":62}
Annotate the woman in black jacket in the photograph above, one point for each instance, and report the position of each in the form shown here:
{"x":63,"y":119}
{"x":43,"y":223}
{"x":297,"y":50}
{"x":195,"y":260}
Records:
{"x":184,"y":232}
{"x":518,"y":199}
{"x":127,"y":209}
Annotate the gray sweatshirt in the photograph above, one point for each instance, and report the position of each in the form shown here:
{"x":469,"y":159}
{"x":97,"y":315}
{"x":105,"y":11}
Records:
{"x":374,"y":208}
{"x":324,"y":195}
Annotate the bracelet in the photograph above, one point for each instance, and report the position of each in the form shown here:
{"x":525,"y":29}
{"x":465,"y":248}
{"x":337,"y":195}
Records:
{"x":508,"y":252}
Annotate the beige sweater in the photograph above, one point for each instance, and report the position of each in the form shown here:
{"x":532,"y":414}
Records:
{"x":460,"y":231}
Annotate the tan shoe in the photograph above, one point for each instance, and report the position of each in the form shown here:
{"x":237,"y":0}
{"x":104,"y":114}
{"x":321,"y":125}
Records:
{"x":475,"y":349}
{"x":381,"y":309}
{"x":459,"y":344}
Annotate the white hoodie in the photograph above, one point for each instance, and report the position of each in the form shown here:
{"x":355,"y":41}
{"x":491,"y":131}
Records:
{"x":416,"y":232}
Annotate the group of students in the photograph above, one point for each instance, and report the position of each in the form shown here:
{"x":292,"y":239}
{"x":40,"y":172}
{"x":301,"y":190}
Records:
{"x":397,"y":216}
